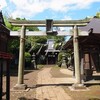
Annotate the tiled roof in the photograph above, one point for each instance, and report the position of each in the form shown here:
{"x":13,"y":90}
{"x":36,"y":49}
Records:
{"x":93,"y":25}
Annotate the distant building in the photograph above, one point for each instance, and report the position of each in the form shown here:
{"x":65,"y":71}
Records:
{"x":51,"y":53}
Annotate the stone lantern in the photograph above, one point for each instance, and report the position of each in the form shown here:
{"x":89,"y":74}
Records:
{"x":63,"y":61}
{"x":34,"y":61}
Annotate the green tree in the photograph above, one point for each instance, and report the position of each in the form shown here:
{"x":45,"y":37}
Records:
{"x":98,"y":14}
{"x":13,"y":45}
{"x":36,"y":43}
{"x":37,"y":39}
{"x":9,"y":26}
{"x":27,"y":59}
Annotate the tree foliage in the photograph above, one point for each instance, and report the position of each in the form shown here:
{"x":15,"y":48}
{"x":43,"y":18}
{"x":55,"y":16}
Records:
{"x":37,"y":39}
{"x":13,"y":45}
{"x":98,"y":14}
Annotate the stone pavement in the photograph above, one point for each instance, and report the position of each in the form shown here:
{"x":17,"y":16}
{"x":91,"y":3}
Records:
{"x":48,"y":88}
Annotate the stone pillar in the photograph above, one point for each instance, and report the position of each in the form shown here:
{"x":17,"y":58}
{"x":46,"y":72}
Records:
{"x":77,"y":84}
{"x":82,"y":67}
{"x":20,"y":84}
{"x":76,"y":56}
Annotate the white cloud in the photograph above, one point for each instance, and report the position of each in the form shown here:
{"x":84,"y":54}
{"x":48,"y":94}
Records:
{"x":66,"y":28}
{"x":3,"y":4}
{"x":27,"y":8}
{"x":67,"y":18}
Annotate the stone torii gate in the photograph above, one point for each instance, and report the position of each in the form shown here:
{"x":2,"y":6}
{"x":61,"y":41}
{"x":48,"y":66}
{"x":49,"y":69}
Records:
{"x":49,"y":24}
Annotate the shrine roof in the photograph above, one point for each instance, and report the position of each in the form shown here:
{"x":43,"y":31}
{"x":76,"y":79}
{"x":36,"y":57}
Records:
{"x":93,"y":38}
{"x":3,"y":27}
{"x":93,"y":26}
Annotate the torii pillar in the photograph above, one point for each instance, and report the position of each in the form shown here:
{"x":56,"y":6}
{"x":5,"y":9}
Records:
{"x":78,"y":84}
{"x":20,"y":83}
{"x":76,"y":55}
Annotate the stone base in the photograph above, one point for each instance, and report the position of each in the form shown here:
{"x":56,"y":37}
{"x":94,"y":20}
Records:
{"x":63,"y":65}
{"x":20,"y":87}
{"x":78,"y":87}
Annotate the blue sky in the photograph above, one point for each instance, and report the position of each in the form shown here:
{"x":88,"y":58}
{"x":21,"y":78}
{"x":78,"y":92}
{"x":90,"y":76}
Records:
{"x":54,"y":9}
{"x":50,"y":9}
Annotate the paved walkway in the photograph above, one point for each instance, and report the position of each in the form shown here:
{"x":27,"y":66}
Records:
{"x":47,"y":87}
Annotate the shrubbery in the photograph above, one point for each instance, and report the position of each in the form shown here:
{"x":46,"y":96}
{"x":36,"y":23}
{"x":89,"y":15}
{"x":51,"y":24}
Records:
{"x":60,"y":59}
{"x":27,"y":59}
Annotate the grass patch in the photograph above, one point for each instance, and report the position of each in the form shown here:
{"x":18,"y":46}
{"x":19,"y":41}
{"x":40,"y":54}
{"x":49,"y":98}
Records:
{"x":40,"y":66}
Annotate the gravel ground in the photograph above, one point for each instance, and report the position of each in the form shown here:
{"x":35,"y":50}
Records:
{"x":30,"y":79}
{"x":92,"y":94}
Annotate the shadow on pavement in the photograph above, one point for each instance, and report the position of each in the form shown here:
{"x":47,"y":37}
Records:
{"x":23,"y":98}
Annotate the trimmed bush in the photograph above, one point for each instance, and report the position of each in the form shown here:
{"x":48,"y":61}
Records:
{"x":27,"y":59}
